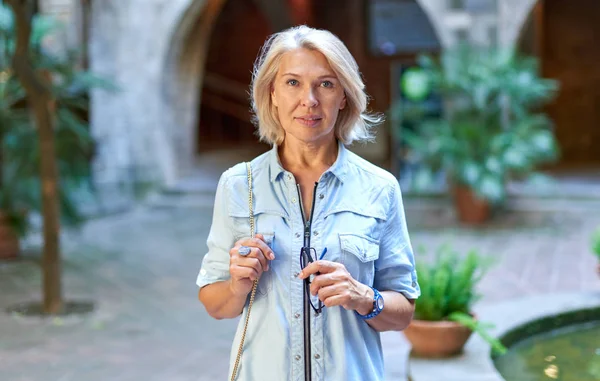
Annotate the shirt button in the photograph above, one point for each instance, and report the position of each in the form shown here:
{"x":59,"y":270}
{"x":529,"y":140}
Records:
{"x":297,"y":235}
{"x":316,"y":233}
{"x":289,"y":177}
{"x":414,"y":284}
{"x":297,"y":315}
{"x":296,"y":275}
{"x":293,"y":201}
{"x":317,"y":356}
{"x":297,"y":357}
{"x":321,"y":196}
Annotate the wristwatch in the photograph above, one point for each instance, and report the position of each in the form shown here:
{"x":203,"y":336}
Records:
{"x":377,"y":305}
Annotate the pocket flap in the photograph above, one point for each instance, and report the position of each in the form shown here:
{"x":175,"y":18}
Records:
{"x":268,"y":237}
{"x":364,"y":248}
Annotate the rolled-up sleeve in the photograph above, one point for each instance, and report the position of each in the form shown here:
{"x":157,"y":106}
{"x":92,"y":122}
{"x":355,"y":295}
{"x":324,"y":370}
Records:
{"x":395,"y":267}
{"x":215,"y":265}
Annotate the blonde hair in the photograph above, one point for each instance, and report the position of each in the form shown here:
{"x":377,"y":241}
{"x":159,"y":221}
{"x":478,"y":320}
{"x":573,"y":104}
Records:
{"x":353,"y":123}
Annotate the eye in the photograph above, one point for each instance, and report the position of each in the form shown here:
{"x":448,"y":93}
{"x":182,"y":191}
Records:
{"x":327,"y":84}
{"x":292,"y":82}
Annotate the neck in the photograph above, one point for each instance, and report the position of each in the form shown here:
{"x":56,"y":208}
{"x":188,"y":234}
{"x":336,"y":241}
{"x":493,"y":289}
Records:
{"x":302,"y":156}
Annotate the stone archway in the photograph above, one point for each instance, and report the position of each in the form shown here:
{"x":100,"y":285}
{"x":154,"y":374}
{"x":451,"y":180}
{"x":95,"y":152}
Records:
{"x":512,"y":16}
{"x":184,"y":75}
{"x":184,"y":71}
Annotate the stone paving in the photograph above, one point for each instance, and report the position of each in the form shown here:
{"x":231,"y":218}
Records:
{"x":140,"y":267}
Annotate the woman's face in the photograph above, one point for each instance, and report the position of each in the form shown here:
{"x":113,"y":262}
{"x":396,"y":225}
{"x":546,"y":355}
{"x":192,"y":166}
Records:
{"x":308,"y":96}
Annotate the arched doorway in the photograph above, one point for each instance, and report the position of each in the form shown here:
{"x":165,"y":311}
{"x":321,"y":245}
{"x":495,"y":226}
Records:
{"x":208,"y":65}
{"x":205,"y":101}
{"x":224,"y":113}
{"x":562,"y":34}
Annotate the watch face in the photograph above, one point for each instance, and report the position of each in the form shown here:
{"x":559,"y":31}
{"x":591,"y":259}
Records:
{"x":380,"y":303}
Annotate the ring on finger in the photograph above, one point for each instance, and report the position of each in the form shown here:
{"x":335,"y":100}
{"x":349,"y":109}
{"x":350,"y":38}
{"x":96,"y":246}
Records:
{"x":244,"y":250}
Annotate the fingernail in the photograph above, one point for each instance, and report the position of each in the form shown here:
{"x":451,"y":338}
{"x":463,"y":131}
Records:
{"x":272,"y":256}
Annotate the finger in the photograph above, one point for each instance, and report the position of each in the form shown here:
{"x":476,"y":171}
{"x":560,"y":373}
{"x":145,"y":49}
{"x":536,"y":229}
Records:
{"x":259,"y":243}
{"x":252,"y":262}
{"x":330,"y":291}
{"x":321,"y":266}
{"x":243,"y":272}
{"x":323,"y":280}
{"x":255,"y":253}
{"x":336,"y":300}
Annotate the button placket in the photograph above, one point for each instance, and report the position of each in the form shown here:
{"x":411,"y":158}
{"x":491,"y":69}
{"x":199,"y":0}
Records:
{"x":296,"y":285}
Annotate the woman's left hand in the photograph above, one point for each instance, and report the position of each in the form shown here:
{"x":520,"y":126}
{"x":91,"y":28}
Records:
{"x":336,"y":287}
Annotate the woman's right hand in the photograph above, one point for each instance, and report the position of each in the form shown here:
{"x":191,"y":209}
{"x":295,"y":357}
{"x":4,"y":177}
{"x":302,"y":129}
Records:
{"x":245,"y":269}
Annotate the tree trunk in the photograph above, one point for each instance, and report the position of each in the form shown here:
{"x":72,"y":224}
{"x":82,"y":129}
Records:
{"x":41,"y":101}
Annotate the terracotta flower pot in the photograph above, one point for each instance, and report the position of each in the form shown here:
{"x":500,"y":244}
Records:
{"x":9,"y":241}
{"x":469,"y":207}
{"x":436,"y":338}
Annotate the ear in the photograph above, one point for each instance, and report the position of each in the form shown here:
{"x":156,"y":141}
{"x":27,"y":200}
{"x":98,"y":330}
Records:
{"x":343,"y":104}
{"x":273,"y":97}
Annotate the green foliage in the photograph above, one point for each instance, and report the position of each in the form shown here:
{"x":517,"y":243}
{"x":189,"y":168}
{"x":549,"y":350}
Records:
{"x":481,"y":329}
{"x":448,"y":290}
{"x":492,"y":128}
{"x":448,"y":283}
{"x":20,"y":187}
{"x":596,"y":242}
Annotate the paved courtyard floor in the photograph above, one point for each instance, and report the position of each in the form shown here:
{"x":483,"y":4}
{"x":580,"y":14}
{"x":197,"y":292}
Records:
{"x":139,"y":268}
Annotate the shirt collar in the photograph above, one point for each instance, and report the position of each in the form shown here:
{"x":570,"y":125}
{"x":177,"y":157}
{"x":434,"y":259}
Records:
{"x":338,"y":169}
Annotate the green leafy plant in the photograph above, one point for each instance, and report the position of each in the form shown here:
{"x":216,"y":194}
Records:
{"x":19,"y":144}
{"x":448,"y":290}
{"x":491,"y":129}
{"x":596,"y":242}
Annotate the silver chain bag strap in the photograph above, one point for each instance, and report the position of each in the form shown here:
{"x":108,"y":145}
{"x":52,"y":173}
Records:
{"x":255,"y":284}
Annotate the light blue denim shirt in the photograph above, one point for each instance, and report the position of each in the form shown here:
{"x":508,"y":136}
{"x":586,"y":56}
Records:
{"x":358,"y":217}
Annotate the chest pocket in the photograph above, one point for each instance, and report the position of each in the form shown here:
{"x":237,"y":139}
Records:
{"x":358,"y":254}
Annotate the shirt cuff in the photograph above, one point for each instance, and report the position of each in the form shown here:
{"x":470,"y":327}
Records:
{"x":205,"y":278}
{"x":406,"y":284}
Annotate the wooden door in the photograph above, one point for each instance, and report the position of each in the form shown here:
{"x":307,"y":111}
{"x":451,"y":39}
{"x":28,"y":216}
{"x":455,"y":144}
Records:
{"x":571,"y":54}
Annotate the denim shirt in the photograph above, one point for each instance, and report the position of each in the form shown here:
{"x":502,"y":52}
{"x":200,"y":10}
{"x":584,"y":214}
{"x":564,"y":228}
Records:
{"x":358,"y":217}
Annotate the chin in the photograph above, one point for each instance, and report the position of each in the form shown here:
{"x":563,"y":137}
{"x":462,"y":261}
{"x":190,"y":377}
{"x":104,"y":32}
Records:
{"x":312,"y":137}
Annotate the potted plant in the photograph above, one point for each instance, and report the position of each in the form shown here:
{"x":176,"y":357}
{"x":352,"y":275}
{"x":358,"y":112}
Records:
{"x":491,"y":128}
{"x":596,"y":247}
{"x":444,"y":319}
{"x":20,"y":187}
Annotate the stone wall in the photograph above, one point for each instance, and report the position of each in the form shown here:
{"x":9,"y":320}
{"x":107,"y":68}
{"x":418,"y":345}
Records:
{"x":129,"y":41}
{"x":154,"y":50}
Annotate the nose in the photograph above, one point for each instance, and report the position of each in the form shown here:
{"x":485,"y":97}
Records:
{"x":309,"y":99}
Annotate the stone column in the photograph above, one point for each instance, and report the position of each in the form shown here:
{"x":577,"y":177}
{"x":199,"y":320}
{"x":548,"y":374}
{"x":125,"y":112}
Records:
{"x":129,"y":41}
{"x":512,"y":15}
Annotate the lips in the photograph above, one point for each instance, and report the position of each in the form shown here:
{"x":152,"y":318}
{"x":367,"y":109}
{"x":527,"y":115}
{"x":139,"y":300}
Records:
{"x":309,"y":120}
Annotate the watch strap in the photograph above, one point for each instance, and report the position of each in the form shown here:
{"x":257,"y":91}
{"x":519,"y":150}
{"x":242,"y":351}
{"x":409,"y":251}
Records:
{"x":375,"y":311}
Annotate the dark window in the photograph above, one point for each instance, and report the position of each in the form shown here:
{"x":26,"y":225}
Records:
{"x":399,"y":26}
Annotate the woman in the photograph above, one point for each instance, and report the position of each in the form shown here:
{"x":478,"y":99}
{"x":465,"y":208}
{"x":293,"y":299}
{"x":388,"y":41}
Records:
{"x":311,"y":196}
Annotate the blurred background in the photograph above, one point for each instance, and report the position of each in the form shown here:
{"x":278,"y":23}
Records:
{"x":126,"y":113}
